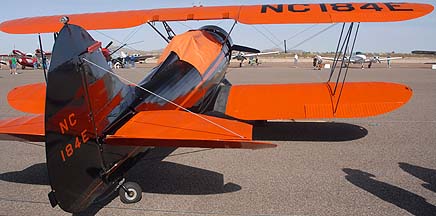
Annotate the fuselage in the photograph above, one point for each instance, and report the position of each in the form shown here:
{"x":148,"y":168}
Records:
{"x":358,"y":59}
{"x":184,"y":79}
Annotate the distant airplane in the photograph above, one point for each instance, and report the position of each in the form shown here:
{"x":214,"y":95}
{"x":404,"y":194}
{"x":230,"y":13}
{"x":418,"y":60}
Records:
{"x":120,"y":61}
{"x":425,"y":52}
{"x":361,"y":58}
{"x":24,"y":59}
{"x":241,"y":56}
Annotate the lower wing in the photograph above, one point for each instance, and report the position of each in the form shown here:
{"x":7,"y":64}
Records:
{"x":311,"y":100}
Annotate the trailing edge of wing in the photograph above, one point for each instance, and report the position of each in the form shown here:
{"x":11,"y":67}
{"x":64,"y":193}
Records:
{"x":25,"y":127}
{"x":133,"y":141}
{"x":28,"y":98}
{"x":247,"y":14}
{"x":182,"y":129}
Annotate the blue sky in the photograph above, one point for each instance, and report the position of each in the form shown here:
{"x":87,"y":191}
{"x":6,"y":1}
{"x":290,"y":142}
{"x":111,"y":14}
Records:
{"x":373,"y":37}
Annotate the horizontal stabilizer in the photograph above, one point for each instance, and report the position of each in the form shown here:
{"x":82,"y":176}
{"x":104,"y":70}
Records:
{"x":312,"y":100}
{"x":247,"y":14}
{"x":28,"y":98}
{"x":29,"y":128}
{"x":183,"y":129}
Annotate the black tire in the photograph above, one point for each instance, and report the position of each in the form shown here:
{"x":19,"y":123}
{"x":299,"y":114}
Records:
{"x":135,"y":193}
{"x":23,"y":67}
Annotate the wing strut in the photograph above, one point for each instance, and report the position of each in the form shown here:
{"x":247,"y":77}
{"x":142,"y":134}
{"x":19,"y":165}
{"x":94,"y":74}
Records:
{"x":342,"y":53}
{"x":44,"y":61}
{"x":168,"y":29}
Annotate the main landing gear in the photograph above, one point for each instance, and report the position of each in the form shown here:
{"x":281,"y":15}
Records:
{"x":130,"y":192}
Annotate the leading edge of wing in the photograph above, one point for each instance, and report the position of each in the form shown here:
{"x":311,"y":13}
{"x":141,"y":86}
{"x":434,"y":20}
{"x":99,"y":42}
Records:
{"x":247,"y":14}
{"x":182,"y":129}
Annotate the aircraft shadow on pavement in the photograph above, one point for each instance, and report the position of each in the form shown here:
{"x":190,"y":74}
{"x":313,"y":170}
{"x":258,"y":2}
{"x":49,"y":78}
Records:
{"x":36,"y":174}
{"x":152,"y":174}
{"x":157,"y":176}
{"x":402,"y":198}
{"x":308,"y":131}
{"x":425,"y":174}
{"x":162,"y":177}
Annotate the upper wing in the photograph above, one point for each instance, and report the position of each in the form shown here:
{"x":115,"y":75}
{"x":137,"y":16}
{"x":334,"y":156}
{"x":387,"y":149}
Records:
{"x":311,"y":100}
{"x":247,"y":14}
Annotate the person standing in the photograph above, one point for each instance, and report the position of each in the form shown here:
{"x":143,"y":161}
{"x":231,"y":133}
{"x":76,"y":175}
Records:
{"x":10,"y":66}
{"x":35,"y":63}
{"x":14,"y":65}
{"x":295,"y":59}
{"x":389,"y":61}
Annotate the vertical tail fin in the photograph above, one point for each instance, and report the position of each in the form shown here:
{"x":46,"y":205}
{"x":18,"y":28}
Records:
{"x":82,"y":101}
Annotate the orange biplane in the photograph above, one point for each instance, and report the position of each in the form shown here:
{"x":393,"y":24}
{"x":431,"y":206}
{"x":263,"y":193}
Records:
{"x":96,"y":126}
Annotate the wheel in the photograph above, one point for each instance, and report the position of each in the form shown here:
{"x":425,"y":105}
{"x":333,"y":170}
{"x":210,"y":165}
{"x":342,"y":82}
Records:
{"x":130,"y":192}
{"x":117,"y":65}
{"x":23,"y":67}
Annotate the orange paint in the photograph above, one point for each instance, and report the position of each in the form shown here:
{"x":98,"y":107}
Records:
{"x":314,"y":100}
{"x":182,"y":129}
{"x":85,"y":137}
{"x":198,"y":48}
{"x":64,"y":125}
{"x":18,"y":98}
{"x":247,"y":14}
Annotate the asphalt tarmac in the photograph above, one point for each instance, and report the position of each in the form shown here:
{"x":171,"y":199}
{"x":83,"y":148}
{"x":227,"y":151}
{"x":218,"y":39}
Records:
{"x":384,"y":165}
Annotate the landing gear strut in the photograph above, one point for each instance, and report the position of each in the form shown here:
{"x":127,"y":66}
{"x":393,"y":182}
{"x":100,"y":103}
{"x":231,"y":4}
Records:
{"x":130,"y":192}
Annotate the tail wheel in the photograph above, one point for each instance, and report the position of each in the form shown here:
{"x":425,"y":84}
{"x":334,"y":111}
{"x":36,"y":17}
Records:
{"x":130,"y":192}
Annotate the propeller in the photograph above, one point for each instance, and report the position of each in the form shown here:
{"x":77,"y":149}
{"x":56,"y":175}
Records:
{"x":108,"y":45}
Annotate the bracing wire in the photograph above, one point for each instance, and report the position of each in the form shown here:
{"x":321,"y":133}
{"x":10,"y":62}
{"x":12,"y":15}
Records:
{"x":263,"y":34}
{"x":300,"y":32}
{"x":313,"y":36}
{"x":118,"y":41}
{"x":132,"y":33}
{"x":163,"y":98}
{"x":267,"y":30}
